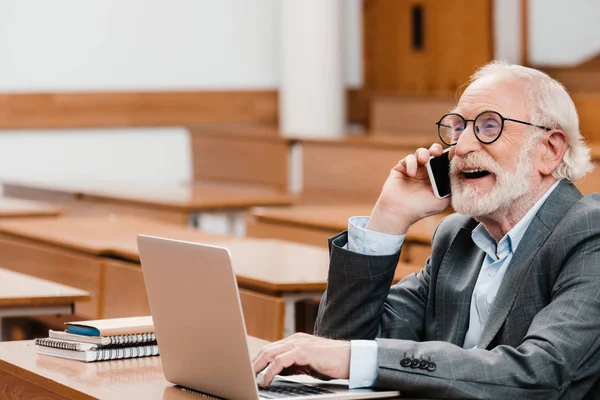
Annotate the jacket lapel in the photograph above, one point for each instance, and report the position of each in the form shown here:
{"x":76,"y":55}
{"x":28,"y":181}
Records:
{"x":456,"y":280}
{"x":549,"y":215}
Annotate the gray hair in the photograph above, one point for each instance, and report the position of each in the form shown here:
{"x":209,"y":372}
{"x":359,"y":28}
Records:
{"x":549,"y":105}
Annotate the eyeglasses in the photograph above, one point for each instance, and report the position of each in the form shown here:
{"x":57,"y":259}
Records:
{"x":488,"y":127}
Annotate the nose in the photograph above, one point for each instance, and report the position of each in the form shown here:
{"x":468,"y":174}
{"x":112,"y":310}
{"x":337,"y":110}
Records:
{"x":467,"y":142}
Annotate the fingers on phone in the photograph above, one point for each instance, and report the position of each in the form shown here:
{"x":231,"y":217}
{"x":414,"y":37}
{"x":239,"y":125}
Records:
{"x":436,"y":149}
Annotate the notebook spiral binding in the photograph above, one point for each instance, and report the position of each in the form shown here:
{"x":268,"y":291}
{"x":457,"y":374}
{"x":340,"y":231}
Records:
{"x":57,"y":344}
{"x":127,"y":352}
{"x":132,"y":339}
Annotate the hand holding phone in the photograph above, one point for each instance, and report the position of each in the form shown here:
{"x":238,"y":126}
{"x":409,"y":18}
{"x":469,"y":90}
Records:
{"x":438,"y":169}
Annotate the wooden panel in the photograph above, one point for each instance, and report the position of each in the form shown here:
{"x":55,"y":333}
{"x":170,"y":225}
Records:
{"x":259,"y":159}
{"x":294,"y":233}
{"x":583,"y":77}
{"x":116,"y":109}
{"x":123,"y":109}
{"x":350,"y":171}
{"x":264,"y":315}
{"x":409,"y":115}
{"x":124,"y":292}
{"x":57,"y":265}
{"x":15,"y":388}
{"x":588,"y":105}
{"x":98,"y":207}
{"x":457,"y":38}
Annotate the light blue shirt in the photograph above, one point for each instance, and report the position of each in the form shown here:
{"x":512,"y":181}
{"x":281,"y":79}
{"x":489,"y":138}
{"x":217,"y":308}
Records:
{"x":364,"y":353}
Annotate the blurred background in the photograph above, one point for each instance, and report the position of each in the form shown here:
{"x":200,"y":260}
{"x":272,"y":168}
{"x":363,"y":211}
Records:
{"x":83,"y":83}
{"x":265,"y":121}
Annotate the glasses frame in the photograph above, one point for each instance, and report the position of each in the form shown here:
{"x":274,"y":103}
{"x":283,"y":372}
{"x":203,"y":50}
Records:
{"x":439,"y":125}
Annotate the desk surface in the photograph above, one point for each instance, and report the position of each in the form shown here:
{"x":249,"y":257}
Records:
{"x":184,"y":197}
{"x":138,"y":378}
{"x":335,"y":218}
{"x":13,"y":207}
{"x":97,"y":235}
{"x":268,"y":265}
{"x":17,"y":290}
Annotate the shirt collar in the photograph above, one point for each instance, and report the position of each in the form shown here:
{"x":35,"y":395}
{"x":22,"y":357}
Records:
{"x":509,"y":243}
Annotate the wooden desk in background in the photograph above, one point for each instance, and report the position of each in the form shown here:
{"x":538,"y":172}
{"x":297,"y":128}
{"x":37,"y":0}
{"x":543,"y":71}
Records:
{"x":25,"y":375}
{"x":273,"y":275}
{"x":314,"y":224}
{"x":11,"y":207}
{"x":179,"y":204}
{"x":73,"y":251}
{"x":23,"y":295}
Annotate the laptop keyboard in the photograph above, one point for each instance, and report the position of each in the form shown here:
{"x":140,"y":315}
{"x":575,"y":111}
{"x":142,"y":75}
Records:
{"x":281,"y":389}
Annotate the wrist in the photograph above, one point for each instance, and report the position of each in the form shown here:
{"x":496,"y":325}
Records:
{"x":388,"y":221}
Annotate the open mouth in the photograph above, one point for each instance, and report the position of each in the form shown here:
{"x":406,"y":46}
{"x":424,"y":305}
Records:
{"x":474,"y":174}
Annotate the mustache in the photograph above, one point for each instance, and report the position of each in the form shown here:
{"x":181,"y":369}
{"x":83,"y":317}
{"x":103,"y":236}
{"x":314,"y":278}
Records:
{"x":478,"y":160}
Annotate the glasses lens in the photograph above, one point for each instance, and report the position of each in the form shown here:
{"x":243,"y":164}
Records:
{"x":488,"y":126}
{"x":451,"y":126}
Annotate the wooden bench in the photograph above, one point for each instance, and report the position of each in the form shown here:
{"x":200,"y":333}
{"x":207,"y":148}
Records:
{"x":314,"y":224}
{"x":180,"y":204}
{"x":101,"y":256}
{"x":241,"y":155}
{"x":23,"y":295}
{"x":11,"y":207}
{"x":409,"y":116}
{"x":351,"y":170}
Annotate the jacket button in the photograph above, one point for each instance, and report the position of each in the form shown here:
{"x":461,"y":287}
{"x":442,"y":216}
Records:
{"x":405,"y":362}
{"x":415,"y":363}
{"x":423,"y":364}
{"x":431,"y":367}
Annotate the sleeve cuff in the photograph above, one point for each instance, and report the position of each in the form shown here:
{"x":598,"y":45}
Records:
{"x":364,"y":241}
{"x":363,"y":363}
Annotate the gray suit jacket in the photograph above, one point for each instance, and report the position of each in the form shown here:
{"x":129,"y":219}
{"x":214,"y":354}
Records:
{"x":542,"y":339}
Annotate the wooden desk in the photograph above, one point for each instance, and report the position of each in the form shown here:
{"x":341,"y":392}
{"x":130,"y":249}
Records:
{"x":77,"y":251}
{"x":26,"y":375}
{"x":22,"y":295}
{"x":180,"y":204}
{"x":103,"y":257}
{"x":314,"y":224}
{"x":12,"y":207}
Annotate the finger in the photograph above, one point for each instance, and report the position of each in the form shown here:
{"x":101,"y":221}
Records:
{"x":422,"y":156}
{"x":436,"y":149}
{"x":284,"y":360}
{"x":411,"y":165}
{"x":401,"y":166}
{"x":269,"y":353}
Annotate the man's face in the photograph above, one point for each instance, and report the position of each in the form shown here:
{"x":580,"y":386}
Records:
{"x":489,"y":178}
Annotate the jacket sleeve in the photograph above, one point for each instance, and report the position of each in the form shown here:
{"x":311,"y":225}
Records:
{"x":355,"y":305}
{"x":561,"y":346}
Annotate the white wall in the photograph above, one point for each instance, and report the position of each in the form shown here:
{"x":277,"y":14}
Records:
{"x":561,"y":32}
{"x":98,"y":45}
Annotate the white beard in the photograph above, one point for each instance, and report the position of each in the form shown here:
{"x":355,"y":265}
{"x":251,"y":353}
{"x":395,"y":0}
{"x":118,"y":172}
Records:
{"x":509,"y":186}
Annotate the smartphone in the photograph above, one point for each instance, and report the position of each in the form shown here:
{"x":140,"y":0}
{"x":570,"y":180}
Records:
{"x":438,"y":169}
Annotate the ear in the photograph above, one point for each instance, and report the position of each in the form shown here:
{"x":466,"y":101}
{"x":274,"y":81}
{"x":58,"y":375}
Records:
{"x":553,"y":147}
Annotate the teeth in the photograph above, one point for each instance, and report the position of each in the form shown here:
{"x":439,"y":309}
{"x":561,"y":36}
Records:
{"x":470,"y":171}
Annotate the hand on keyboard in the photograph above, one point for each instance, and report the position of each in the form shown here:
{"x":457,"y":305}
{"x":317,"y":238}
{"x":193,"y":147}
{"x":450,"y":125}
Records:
{"x":303,"y":354}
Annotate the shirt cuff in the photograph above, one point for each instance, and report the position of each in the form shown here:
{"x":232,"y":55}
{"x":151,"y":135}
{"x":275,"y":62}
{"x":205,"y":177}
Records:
{"x":363,"y":363}
{"x":364,"y":241}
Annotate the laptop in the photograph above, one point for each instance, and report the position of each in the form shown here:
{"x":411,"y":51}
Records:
{"x":198,"y":321}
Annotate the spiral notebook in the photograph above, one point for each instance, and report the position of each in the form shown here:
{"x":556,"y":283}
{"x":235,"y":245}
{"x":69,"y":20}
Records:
{"x":138,"y":338}
{"x":114,"y":353}
{"x":79,"y":346}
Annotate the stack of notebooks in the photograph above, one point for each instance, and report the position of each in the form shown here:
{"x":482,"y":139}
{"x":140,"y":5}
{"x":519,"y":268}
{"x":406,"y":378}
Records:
{"x":104,"y":339}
